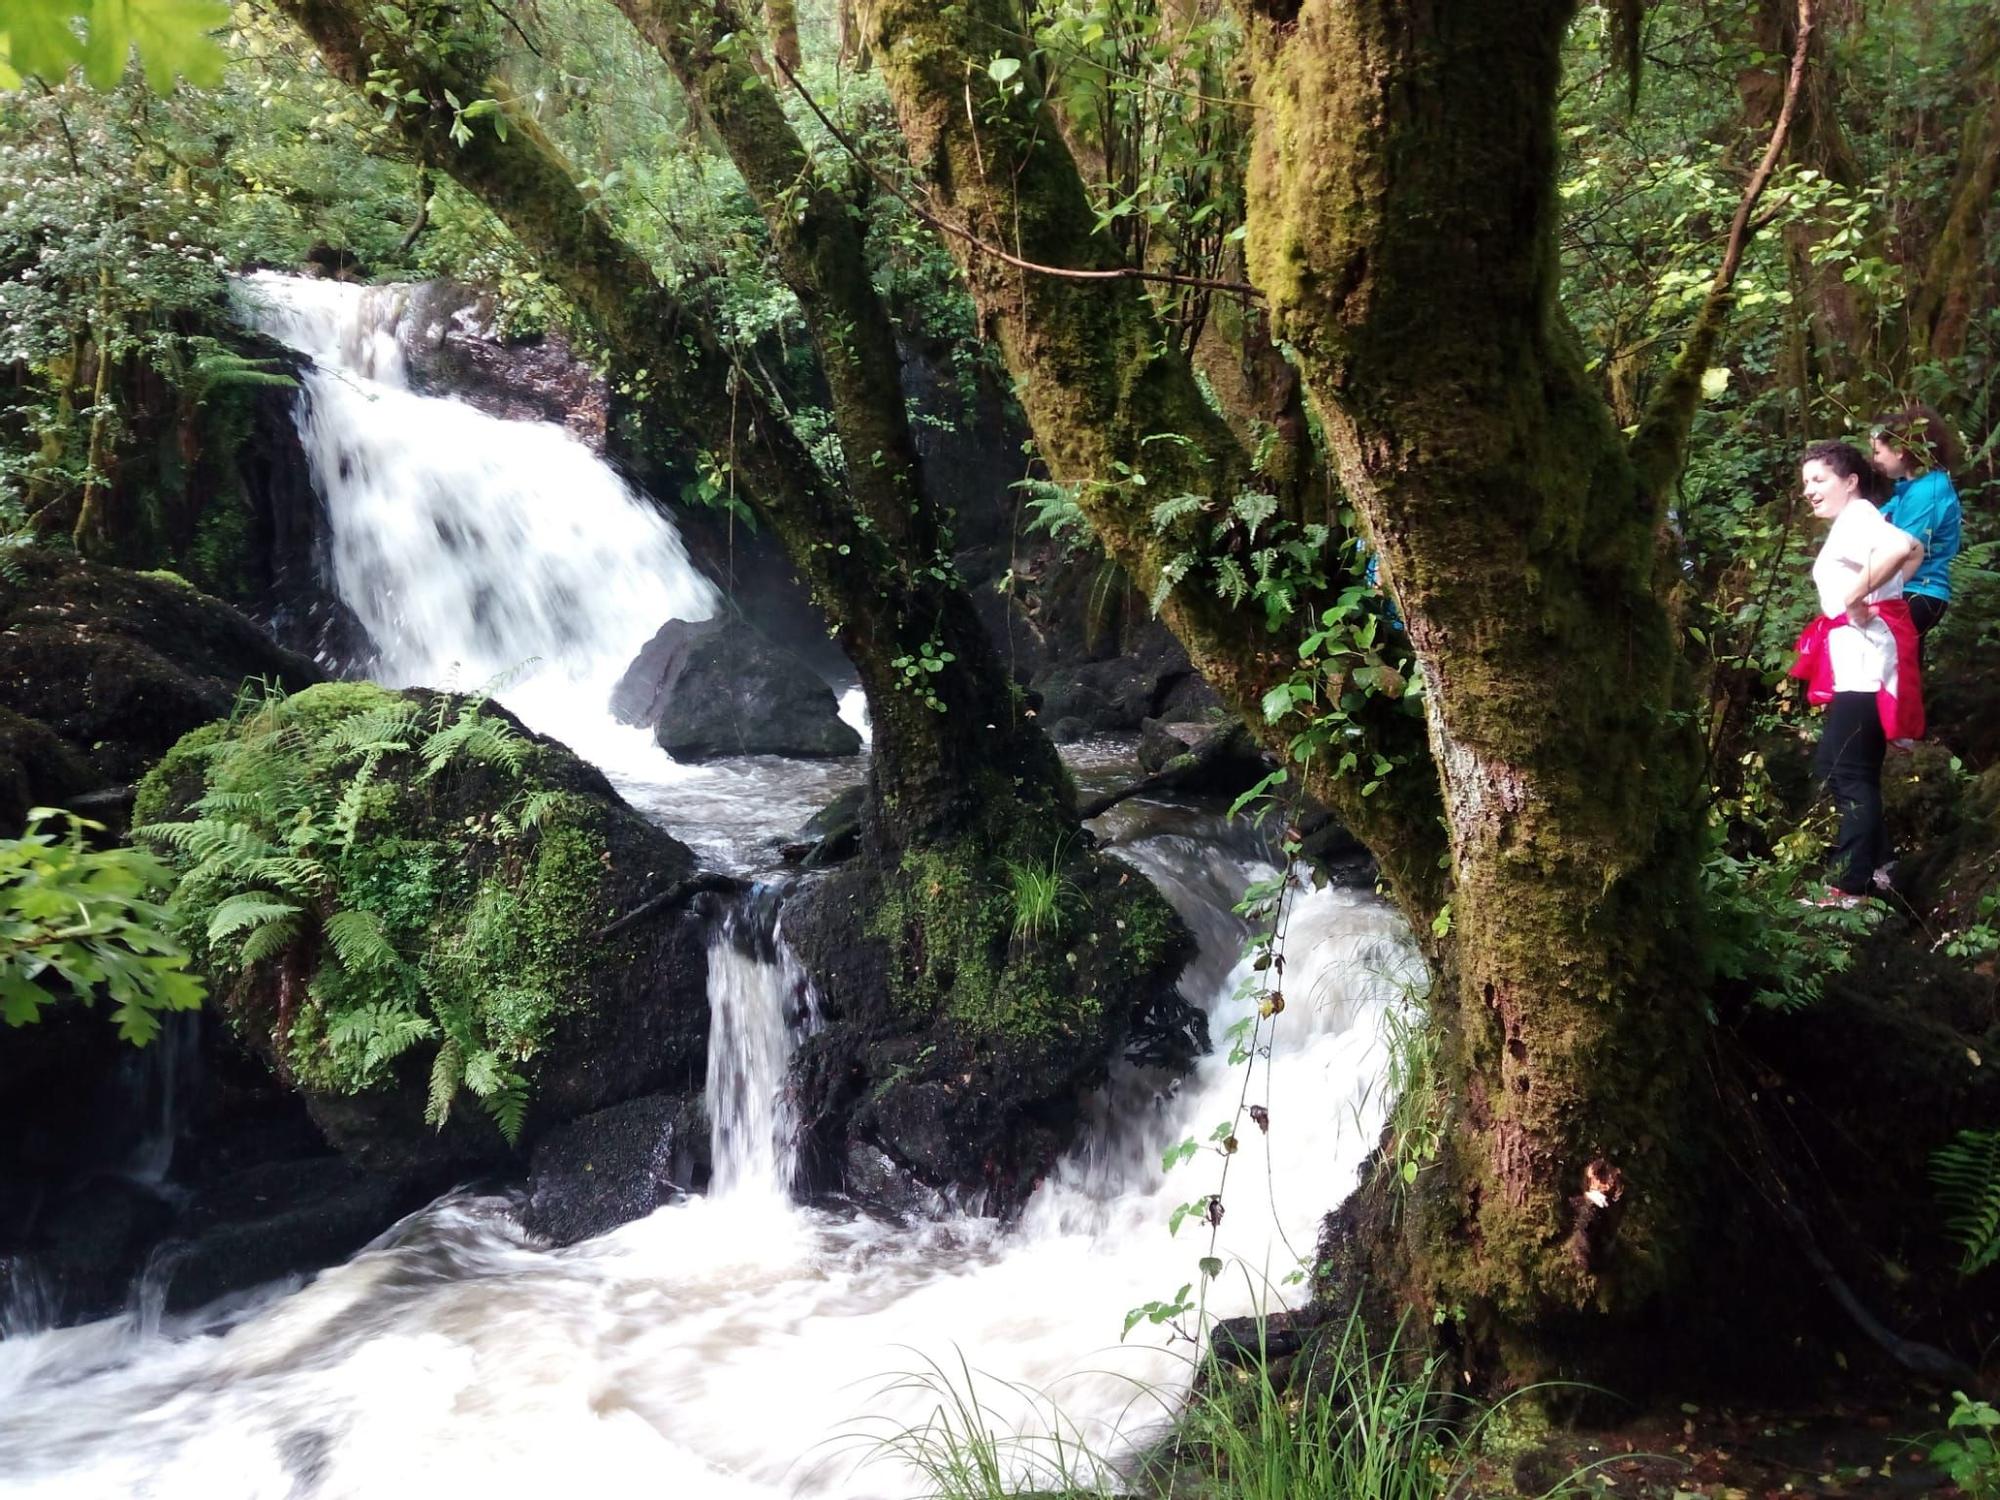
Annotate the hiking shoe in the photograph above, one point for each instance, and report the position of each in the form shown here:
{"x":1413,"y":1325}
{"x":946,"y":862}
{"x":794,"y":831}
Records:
{"x":1833,"y":899}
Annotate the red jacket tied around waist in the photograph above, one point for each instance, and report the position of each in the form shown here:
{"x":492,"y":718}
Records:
{"x":1901,"y":699}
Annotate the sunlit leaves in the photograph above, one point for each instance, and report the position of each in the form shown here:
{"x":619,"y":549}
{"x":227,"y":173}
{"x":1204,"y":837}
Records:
{"x":173,"y":38}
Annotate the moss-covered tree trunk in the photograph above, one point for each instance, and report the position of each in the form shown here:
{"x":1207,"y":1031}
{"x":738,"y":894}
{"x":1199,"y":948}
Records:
{"x":947,"y":742}
{"x":1402,"y":223}
{"x":1403,"y":231}
{"x":1117,"y":413}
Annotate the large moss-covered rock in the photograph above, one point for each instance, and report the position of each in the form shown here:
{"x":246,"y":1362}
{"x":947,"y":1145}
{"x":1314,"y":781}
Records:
{"x":973,"y":994}
{"x":402,"y":901}
{"x":103,"y":669}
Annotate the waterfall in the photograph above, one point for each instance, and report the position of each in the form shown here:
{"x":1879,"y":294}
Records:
{"x":725,"y":1346}
{"x":760,"y":1003}
{"x":478,"y":552}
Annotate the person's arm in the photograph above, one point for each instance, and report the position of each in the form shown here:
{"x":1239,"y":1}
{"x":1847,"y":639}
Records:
{"x":1891,"y":552}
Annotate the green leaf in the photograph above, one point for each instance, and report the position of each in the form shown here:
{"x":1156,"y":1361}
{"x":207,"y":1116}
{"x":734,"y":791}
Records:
{"x":246,"y":911}
{"x":1001,"y":69}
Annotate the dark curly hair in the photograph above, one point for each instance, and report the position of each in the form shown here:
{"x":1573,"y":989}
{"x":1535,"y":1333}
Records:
{"x":1921,"y":433}
{"x":1849,"y":461}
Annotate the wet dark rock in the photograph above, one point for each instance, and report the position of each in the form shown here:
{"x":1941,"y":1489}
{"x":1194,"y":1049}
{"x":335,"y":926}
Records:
{"x":901,"y":1103}
{"x":452,"y":346}
{"x":103,"y":669}
{"x":91,"y":1242}
{"x":613,"y":1166}
{"x":283,"y":1218}
{"x":873,"y":1181}
{"x":716,"y":688}
{"x":830,"y":835}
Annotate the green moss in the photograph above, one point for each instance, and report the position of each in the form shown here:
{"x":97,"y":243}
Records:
{"x":430,"y":918}
{"x":959,"y":951}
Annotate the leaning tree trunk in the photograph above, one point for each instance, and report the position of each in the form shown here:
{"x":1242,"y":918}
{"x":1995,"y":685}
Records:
{"x":1117,"y":413}
{"x":818,"y":241}
{"x":1403,"y":223}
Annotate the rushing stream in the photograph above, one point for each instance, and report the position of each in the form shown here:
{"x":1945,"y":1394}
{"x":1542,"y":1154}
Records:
{"x":736,"y":1344}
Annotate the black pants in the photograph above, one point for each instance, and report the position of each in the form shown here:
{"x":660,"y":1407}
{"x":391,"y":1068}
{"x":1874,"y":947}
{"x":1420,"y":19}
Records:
{"x":1849,"y":762}
{"x":1925,"y":611}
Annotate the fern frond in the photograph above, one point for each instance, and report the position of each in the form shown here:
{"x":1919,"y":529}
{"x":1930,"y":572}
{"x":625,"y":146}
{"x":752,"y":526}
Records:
{"x":446,"y":1071}
{"x":394,"y":1030}
{"x":1967,"y":1173}
{"x":268,"y":941}
{"x":251,"y":910}
{"x":476,"y":738}
{"x":388,"y":728}
{"x":508,"y":1105}
{"x":294,"y":875}
{"x":536,"y":807}
{"x":360,"y":943}
{"x":1168,"y":511}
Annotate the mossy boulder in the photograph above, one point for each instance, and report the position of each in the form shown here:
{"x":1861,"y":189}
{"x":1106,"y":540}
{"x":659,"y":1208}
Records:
{"x":973,"y":994}
{"x":401,"y":900}
{"x":103,"y":669}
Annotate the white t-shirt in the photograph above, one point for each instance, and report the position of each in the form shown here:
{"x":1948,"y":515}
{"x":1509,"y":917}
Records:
{"x":1864,"y":660}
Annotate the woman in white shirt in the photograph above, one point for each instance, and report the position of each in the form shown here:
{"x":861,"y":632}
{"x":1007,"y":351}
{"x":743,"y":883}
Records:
{"x":1858,"y":657}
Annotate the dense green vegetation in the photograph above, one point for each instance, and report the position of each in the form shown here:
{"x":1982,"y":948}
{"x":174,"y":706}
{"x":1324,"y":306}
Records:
{"x":1266,"y":321}
{"x":399,"y":865}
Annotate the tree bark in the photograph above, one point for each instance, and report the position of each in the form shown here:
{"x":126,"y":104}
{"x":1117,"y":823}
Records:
{"x":1115,"y":411}
{"x":781,"y":20}
{"x":1403,"y":224}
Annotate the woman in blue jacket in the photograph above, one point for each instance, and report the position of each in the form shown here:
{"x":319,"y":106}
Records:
{"x":1915,"y":449}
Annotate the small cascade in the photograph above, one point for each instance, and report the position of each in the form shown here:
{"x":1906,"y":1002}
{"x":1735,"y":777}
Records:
{"x":158,"y":1080}
{"x":760,"y":1005}
{"x":478,"y":553}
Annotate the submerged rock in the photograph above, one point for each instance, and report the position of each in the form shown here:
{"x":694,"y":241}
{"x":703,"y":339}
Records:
{"x":438,"y":963}
{"x":713,"y":688}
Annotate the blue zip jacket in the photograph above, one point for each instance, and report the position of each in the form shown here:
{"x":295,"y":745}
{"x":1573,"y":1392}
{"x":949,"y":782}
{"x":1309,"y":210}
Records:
{"x":1927,"y":508}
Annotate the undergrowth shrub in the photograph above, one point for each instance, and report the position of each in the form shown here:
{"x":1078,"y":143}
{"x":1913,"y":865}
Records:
{"x":363,"y":873}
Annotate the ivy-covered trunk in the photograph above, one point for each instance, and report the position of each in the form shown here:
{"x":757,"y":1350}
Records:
{"x":1402,"y":223}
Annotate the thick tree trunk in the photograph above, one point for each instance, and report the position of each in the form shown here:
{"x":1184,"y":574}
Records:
{"x":1941,"y":311}
{"x":1116,"y":413}
{"x":1402,"y":222}
{"x":946,"y":743}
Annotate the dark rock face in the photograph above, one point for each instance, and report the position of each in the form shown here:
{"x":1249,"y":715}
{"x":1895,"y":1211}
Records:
{"x":901,"y":1102}
{"x":616,"y":1165}
{"x":716,"y":688}
{"x":284,"y":1218}
{"x":830,"y":835}
{"x":102,"y":670}
{"x":452,"y":347}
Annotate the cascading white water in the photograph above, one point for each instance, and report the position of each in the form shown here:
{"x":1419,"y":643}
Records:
{"x":758,"y":1008}
{"x":726,"y":1346}
{"x":475,"y":551}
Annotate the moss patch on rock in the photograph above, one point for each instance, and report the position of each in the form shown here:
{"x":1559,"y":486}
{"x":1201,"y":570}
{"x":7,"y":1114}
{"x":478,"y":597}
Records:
{"x":399,"y":898}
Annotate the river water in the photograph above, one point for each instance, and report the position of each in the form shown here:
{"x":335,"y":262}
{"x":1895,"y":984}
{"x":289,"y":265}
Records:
{"x":737,"y":1344}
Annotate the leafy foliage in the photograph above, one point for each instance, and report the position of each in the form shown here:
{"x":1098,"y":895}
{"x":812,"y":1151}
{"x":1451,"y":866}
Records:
{"x":46,"y":38}
{"x":391,"y":844}
{"x":82,"y":920}
{"x":1967,"y":1172}
{"x":1969,"y":1453}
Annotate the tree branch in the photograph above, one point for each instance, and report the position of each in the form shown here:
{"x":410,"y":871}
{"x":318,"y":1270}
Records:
{"x":1659,"y":448}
